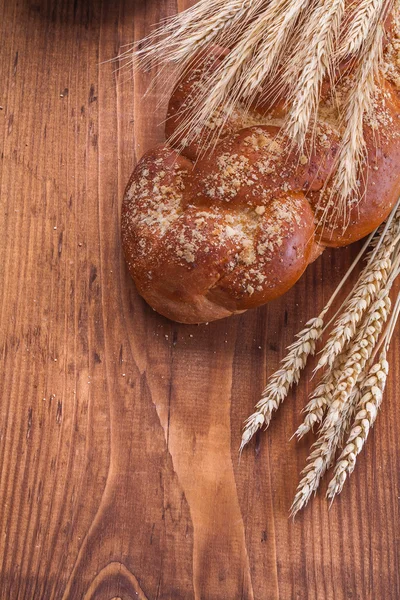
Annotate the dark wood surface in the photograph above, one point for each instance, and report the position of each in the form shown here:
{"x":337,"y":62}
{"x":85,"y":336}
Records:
{"x":119,"y":430}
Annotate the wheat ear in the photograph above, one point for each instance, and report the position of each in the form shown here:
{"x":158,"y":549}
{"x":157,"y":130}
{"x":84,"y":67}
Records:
{"x":269,"y":53}
{"x":321,"y":398}
{"x":371,"y":397}
{"x":367,"y":410}
{"x":311,"y":61}
{"x":353,"y":152}
{"x":183,"y":36}
{"x":282,"y":380}
{"x":371,"y":280}
{"x":361,"y":27}
{"x":337,"y":416}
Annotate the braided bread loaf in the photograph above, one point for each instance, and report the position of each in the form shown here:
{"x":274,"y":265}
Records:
{"x":209,"y":236}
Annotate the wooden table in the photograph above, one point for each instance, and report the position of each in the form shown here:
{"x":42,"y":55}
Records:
{"x":119,"y":430}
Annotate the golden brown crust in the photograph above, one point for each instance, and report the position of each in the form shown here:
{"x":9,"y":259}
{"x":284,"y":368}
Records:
{"x":207,"y":235}
{"x":195,"y":262}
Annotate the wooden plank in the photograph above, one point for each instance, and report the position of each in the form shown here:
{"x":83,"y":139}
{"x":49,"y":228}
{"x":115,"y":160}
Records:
{"x":119,"y":472}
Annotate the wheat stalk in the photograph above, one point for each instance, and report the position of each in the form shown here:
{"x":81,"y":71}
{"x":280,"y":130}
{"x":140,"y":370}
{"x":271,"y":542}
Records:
{"x":371,"y":397}
{"x":342,"y":388}
{"x":350,"y":387}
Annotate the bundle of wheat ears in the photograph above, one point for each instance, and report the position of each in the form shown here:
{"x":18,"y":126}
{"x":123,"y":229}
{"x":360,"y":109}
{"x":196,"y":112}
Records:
{"x":345,"y":402}
{"x":297,"y":45}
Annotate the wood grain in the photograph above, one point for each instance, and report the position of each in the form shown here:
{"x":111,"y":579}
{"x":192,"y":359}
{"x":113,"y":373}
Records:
{"x":119,"y":473}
